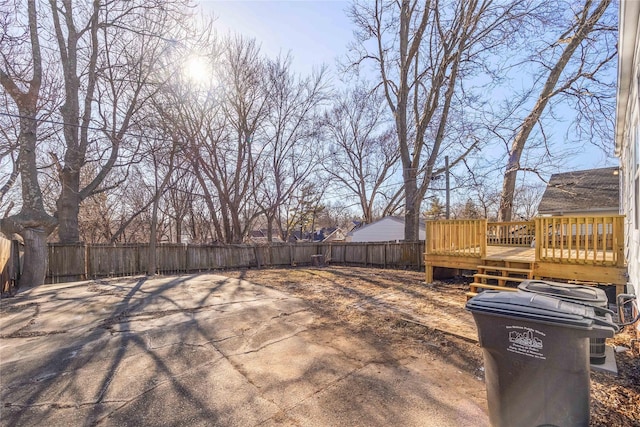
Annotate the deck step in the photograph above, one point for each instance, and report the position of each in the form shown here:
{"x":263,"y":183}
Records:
{"x":470,"y":295}
{"x":501,"y":278}
{"x":508,"y":269}
{"x":492,"y":287}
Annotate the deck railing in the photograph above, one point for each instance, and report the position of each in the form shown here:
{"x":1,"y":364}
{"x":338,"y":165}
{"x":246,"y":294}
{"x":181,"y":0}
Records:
{"x":587,"y":239}
{"x":516,"y":233}
{"x":457,"y":237}
{"x":596,"y":240}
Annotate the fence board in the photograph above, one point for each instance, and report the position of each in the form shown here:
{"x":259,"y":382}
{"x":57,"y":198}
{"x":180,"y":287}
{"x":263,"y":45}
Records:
{"x":356,"y":254}
{"x":301,"y":254}
{"x":171,"y":258}
{"x":67,"y":262}
{"x":280,"y":255}
{"x":113,"y":260}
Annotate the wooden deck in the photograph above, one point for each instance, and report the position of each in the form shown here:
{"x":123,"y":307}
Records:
{"x":580,"y":249}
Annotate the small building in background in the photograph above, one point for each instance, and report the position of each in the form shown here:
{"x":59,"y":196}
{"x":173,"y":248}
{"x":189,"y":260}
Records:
{"x":259,"y":237}
{"x":586,"y":192}
{"x":389,"y":228}
{"x":331,"y":234}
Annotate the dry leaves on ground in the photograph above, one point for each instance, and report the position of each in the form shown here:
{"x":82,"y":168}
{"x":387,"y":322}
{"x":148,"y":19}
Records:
{"x":430,"y":321}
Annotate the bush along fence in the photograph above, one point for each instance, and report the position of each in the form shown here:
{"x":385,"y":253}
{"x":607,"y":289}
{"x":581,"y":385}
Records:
{"x":71,"y":262}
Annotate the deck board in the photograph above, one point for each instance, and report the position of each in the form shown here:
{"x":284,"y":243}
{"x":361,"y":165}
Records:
{"x":525,"y":254}
{"x":511,"y":253}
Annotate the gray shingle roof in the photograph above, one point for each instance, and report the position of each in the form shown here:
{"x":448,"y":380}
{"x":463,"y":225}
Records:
{"x":587,"y":190}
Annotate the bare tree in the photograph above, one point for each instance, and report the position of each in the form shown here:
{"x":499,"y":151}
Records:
{"x":107,"y":51}
{"x":436,"y":210}
{"x":21,"y":76}
{"x":526,"y":201}
{"x":301,"y":212}
{"x":422,"y":52}
{"x":180,"y":201}
{"x":364,"y":155}
{"x":291,"y":132}
{"x":225,"y":132}
{"x":163,"y":153}
{"x":9,"y":147}
{"x":572,"y":65}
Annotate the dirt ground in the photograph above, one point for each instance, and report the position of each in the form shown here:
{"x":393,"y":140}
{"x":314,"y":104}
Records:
{"x":430,"y":321}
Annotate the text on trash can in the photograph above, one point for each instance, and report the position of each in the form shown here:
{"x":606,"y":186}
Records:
{"x":526,"y":341}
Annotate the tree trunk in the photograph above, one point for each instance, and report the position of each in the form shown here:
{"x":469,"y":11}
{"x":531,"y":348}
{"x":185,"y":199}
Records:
{"x":505,"y":212}
{"x":68,"y":205}
{"x":412,"y":212}
{"x":35,"y":257}
{"x":33,"y":223}
{"x":153,"y":241}
{"x":270,"y":228}
{"x":178,"y":230}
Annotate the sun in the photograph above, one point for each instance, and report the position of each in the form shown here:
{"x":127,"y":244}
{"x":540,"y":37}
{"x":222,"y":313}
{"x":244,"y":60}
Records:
{"x":197,"y":69}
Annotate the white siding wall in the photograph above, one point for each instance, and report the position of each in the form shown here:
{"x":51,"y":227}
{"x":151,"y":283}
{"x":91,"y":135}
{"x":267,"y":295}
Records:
{"x":631,"y":176}
{"x":387,"y":229}
{"x":630,"y":151}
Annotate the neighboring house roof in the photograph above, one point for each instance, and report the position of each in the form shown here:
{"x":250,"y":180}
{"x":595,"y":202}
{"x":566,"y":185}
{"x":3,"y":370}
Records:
{"x":336,"y":235}
{"x":260,"y":236}
{"x":256,"y":233}
{"x":297,"y":236}
{"x":366,"y":228}
{"x":589,"y":190}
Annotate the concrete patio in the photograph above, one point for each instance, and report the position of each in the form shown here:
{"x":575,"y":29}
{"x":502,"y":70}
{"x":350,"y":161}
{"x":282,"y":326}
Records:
{"x":203,"y":350}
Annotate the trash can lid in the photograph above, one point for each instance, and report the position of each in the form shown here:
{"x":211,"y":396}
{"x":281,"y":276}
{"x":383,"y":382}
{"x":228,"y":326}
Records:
{"x":537,"y":307}
{"x":579,"y":293}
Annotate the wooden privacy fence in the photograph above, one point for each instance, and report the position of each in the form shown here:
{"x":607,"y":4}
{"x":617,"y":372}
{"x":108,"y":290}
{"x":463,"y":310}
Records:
{"x":69,"y":262}
{"x":9,"y":264}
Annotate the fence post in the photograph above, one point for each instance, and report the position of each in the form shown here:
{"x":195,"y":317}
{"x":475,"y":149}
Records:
{"x":386,"y":246}
{"x":257,"y":256}
{"x":366,"y":254}
{"x":291,"y":254}
{"x":85,"y":252}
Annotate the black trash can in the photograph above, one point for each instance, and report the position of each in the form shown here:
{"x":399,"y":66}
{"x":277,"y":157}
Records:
{"x":580,"y":294}
{"x":536,"y":354}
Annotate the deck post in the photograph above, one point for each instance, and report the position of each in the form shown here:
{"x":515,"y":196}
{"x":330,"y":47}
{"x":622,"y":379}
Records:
{"x":428,"y":272}
{"x":483,"y":238}
{"x":618,"y":240}
{"x":538,"y":241}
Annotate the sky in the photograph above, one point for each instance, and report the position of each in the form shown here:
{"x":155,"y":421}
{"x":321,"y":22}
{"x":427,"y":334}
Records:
{"x":316,"y":32}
